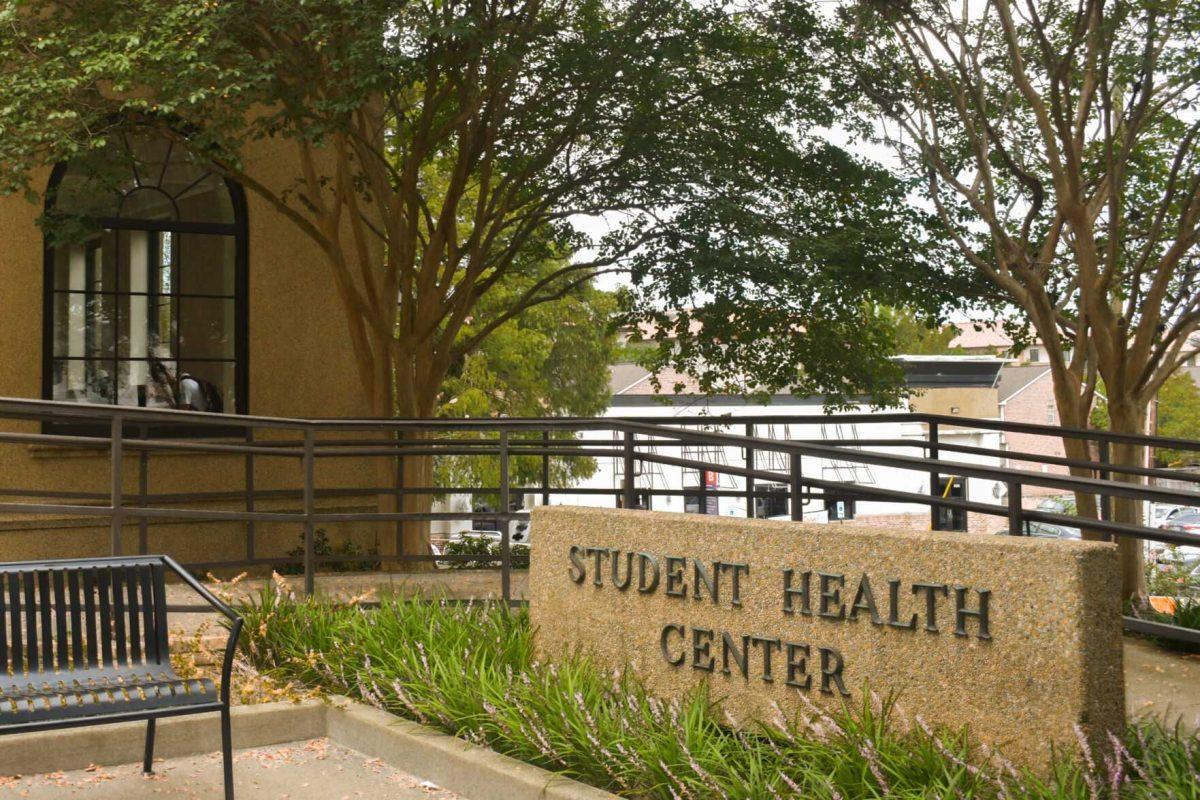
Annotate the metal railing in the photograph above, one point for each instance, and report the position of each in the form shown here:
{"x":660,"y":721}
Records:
{"x":123,"y":433}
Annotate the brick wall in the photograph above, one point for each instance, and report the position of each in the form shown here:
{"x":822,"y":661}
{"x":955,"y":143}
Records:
{"x":1035,"y":405}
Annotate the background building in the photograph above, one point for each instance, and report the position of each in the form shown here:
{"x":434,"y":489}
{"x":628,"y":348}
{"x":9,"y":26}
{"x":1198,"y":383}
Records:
{"x":953,"y":385}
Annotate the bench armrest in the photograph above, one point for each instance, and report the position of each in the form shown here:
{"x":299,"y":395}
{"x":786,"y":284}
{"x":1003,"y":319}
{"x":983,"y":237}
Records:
{"x":235,"y":620}
{"x":200,"y":589}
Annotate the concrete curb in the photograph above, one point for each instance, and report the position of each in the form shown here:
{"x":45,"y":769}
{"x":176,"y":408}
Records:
{"x":472,"y":771}
{"x":176,"y":737}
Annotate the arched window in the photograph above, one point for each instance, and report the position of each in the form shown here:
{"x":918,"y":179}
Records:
{"x":145,"y":280}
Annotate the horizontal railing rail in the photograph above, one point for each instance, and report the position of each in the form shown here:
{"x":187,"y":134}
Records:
{"x":691,"y":445}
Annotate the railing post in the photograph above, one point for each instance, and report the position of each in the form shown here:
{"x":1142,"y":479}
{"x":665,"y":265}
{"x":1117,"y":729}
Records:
{"x":749,"y":478}
{"x":627,"y":483}
{"x":143,"y":492}
{"x":797,"y":492}
{"x":116,"y":488}
{"x":310,"y":567}
{"x":545,"y":468}
{"x":935,"y":479}
{"x":1106,"y":512}
{"x":1015,"y":520}
{"x":249,"y":464}
{"x":505,"y":543}
{"x":398,"y":484}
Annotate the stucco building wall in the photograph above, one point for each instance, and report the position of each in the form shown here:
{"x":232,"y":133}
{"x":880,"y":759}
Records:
{"x":975,"y":402}
{"x":300,"y":365}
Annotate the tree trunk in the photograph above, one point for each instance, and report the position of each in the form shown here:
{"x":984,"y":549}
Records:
{"x":414,"y":538}
{"x":415,"y":399}
{"x":1129,"y":417}
{"x":1085,"y":502}
{"x":403,"y":537}
{"x":1124,"y":418}
{"x":1073,"y":414}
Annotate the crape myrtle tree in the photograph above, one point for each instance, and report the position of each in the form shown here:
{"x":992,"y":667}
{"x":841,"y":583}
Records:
{"x":1057,"y":143}
{"x":449,"y":147}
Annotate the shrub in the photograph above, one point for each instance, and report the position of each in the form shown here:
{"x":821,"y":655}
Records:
{"x":1185,"y":615}
{"x":323,"y":547}
{"x":1171,"y":580}
{"x":470,"y":670}
{"x":483,"y":546}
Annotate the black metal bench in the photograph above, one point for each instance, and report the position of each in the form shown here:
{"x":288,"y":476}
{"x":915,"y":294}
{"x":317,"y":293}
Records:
{"x":84,"y":642}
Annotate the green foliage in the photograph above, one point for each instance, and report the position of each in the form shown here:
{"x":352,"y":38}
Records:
{"x":1098,"y":417}
{"x":323,"y":547}
{"x":471,"y":670}
{"x":550,"y":361}
{"x":1185,"y":615}
{"x":632,"y":352}
{"x":482,"y":546}
{"x":1179,"y":418}
{"x":1171,"y":581}
{"x":760,"y":312}
{"x":917,"y":336}
{"x":477,"y":142}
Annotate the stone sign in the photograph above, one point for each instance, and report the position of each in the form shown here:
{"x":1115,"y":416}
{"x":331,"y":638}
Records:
{"x":1017,"y":638}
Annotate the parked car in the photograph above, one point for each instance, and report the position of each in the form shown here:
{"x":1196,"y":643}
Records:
{"x":1061,"y":504}
{"x":520,"y":534}
{"x":1161,"y":513}
{"x":1185,"y":521}
{"x":1184,"y":558}
{"x":1047,"y":530}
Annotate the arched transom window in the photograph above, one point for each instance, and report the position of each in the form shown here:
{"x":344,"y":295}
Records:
{"x":145,"y":251}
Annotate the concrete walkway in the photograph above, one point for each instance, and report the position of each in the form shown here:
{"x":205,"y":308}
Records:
{"x":313,"y":770}
{"x":1162,"y":683}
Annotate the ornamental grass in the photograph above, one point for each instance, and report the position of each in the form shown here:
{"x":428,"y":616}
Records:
{"x":471,"y":670}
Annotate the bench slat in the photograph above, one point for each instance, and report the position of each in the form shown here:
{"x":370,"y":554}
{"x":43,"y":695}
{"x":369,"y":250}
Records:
{"x":76,"y":613}
{"x":14,"y":616}
{"x":89,"y":616}
{"x":135,"y":634}
{"x":121,"y":654}
{"x":45,"y":629}
{"x":106,"y":621}
{"x":145,"y":579}
{"x":160,"y":613}
{"x":3,"y":628}
{"x":62,"y":643}
{"x":31,"y":638}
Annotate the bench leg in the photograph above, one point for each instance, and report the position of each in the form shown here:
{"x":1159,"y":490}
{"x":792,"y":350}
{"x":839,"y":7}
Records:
{"x":227,"y":752}
{"x":148,"y":761}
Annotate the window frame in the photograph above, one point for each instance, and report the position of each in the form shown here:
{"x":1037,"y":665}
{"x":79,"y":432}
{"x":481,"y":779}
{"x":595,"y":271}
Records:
{"x":239,"y":229}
